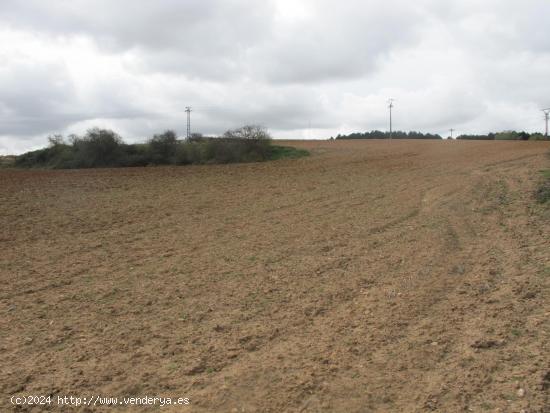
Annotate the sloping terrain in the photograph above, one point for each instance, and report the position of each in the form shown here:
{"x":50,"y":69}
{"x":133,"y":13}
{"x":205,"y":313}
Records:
{"x":372,"y":276}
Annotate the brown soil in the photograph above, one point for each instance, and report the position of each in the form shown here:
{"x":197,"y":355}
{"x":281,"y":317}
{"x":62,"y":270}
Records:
{"x":372,"y":276}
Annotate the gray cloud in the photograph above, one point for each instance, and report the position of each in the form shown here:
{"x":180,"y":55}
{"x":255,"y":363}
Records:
{"x":193,"y":25}
{"x":65,"y":66}
{"x":34,"y":98}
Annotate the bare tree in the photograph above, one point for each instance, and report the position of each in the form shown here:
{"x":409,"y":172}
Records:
{"x":250,"y":132}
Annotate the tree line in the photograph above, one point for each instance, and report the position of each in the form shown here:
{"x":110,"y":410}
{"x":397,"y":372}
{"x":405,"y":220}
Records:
{"x":376,"y":134}
{"x":105,"y":148}
{"x":505,"y":136}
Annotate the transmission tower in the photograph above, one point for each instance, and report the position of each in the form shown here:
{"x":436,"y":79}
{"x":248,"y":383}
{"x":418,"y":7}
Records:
{"x":451,"y":130}
{"x":546,"y":117}
{"x":188,"y":111}
{"x":390,"y":106}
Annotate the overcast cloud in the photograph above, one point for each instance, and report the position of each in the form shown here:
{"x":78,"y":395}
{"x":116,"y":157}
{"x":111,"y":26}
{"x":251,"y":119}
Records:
{"x":302,"y":68}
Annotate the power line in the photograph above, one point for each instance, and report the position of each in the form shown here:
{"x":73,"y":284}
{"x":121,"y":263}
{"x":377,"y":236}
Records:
{"x":188,"y":111}
{"x":390,"y":101}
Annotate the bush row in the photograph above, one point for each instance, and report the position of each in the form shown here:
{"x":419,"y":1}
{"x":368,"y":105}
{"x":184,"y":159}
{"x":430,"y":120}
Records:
{"x":105,"y":148}
{"x":376,"y":134}
{"x":505,"y":136}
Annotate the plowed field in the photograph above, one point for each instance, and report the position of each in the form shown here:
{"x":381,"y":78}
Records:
{"x":372,"y":276}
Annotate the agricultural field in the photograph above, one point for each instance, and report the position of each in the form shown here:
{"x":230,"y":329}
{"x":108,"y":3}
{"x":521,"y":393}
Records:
{"x":371,"y":276}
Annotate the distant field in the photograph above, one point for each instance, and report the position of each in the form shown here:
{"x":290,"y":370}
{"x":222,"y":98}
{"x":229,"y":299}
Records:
{"x":384,"y":276}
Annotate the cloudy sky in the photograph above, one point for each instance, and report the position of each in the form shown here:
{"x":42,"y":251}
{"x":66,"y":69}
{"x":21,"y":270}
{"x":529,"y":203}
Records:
{"x":303,"y":68}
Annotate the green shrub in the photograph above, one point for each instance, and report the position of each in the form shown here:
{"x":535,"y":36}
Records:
{"x":104,"y":148}
{"x":56,"y":155}
{"x":188,"y":152}
{"x":135,"y":155}
{"x":163,"y":148}
{"x":33,"y":158}
{"x":537,"y":137}
{"x":98,"y":148}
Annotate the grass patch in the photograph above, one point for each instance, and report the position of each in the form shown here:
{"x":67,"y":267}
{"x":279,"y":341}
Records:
{"x":515,"y":332}
{"x":543,"y":192}
{"x":486,"y":406}
{"x":281,"y":152}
